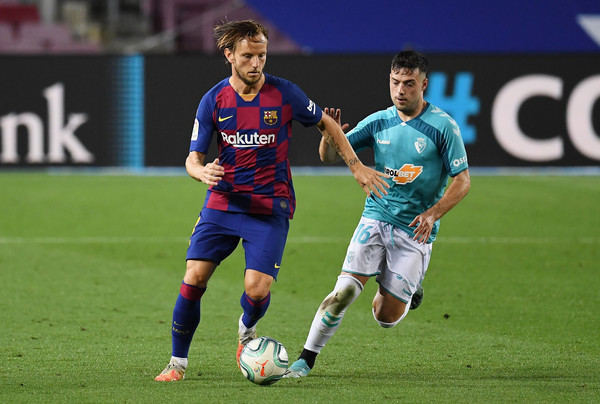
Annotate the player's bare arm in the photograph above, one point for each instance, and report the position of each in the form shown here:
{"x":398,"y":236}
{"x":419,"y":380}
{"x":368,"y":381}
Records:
{"x":368,"y":179}
{"x":456,"y":191}
{"x":327,"y":153}
{"x":210,"y":174}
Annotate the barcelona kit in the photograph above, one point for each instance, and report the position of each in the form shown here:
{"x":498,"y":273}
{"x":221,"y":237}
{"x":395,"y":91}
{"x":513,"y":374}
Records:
{"x":255,"y":198}
{"x":253,"y":137}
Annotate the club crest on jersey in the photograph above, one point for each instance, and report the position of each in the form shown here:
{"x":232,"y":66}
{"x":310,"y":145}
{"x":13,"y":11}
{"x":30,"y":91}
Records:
{"x":270,"y":117}
{"x":420,"y":144}
{"x":405,"y":175}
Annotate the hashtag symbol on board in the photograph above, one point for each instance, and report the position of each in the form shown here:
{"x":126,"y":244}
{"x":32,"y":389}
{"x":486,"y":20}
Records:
{"x":461,"y":104}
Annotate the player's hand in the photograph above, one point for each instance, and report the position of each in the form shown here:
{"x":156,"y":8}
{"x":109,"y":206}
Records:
{"x":336,"y":114}
{"x":424,"y":223}
{"x":212,"y":173}
{"x":371,"y":181}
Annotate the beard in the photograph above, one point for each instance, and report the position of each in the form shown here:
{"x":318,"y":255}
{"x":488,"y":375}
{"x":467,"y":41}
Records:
{"x":407,"y":108}
{"x":246,"y":80}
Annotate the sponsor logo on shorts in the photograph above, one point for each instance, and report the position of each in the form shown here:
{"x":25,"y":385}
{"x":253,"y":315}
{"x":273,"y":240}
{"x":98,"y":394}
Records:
{"x":405,"y":175}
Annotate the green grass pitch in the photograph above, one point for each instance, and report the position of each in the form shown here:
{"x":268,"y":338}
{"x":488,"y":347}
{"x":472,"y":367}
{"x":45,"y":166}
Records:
{"x":90,"y":267}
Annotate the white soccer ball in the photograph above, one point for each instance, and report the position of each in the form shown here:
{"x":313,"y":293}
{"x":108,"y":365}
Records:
{"x":263,"y":360}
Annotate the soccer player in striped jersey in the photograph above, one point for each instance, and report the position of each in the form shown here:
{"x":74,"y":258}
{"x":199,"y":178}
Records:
{"x":419,"y":146}
{"x":250,"y":195}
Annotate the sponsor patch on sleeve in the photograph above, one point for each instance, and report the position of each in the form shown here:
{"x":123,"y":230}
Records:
{"x":195,"y":130}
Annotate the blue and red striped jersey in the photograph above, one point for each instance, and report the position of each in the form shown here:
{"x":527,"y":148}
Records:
{"x":253,"y":139}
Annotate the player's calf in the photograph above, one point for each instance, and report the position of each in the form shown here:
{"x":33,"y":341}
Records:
{"x":388,"y":311}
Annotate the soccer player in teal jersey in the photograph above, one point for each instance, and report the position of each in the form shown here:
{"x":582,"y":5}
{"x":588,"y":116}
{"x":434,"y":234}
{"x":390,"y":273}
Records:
{"x":419,"y":146}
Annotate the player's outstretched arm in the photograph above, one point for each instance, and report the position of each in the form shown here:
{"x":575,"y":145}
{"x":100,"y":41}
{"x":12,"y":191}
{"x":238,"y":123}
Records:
{"x":327,"y":153}
{"x":455,"y":192}
{"x":368,"y":179}
{"x":210,"y":174}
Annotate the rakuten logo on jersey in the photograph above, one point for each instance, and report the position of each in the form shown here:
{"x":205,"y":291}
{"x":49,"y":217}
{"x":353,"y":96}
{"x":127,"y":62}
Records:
{"x":405,"y":175}
{"x":248,"y":139}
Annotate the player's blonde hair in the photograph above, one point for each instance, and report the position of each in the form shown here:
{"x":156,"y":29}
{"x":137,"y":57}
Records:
{"x":229,"y":33}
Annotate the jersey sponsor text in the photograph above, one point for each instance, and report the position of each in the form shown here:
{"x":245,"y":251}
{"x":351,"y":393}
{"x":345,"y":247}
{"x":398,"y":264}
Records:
{"x":458,"y":162}
{"x":405,"y":175}
{"x":248,"y":139}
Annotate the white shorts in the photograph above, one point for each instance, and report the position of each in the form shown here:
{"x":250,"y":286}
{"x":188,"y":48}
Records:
{"x":380,"y":249}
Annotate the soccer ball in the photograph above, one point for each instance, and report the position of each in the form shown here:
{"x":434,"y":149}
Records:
{"x":263,"y":360}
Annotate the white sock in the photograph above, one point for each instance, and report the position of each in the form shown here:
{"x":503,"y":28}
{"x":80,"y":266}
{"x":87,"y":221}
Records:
{"x":331,"y":312}
{"x":245,"y":333}
{"x":179,"y":361}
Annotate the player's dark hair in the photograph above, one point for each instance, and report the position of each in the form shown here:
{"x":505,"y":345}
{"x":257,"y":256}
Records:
{"x":229,"y":33}
{"x":410,"y":60}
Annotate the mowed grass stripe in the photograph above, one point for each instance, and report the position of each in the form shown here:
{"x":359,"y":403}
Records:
{"x":298,"y":240}
{"x":510,"y":311}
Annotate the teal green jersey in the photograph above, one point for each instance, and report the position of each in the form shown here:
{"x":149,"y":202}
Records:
{"x":419,"y":155}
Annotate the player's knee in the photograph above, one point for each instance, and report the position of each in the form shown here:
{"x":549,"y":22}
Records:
{"x":198,"y":273}
{"x":257,"y":292}
{"x":257,"y":285}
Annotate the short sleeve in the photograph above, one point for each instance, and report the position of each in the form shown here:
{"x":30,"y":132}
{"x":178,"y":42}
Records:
{"x":203,"y":125}
{"x":456,"y":155}
{"x":304,"y":110}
